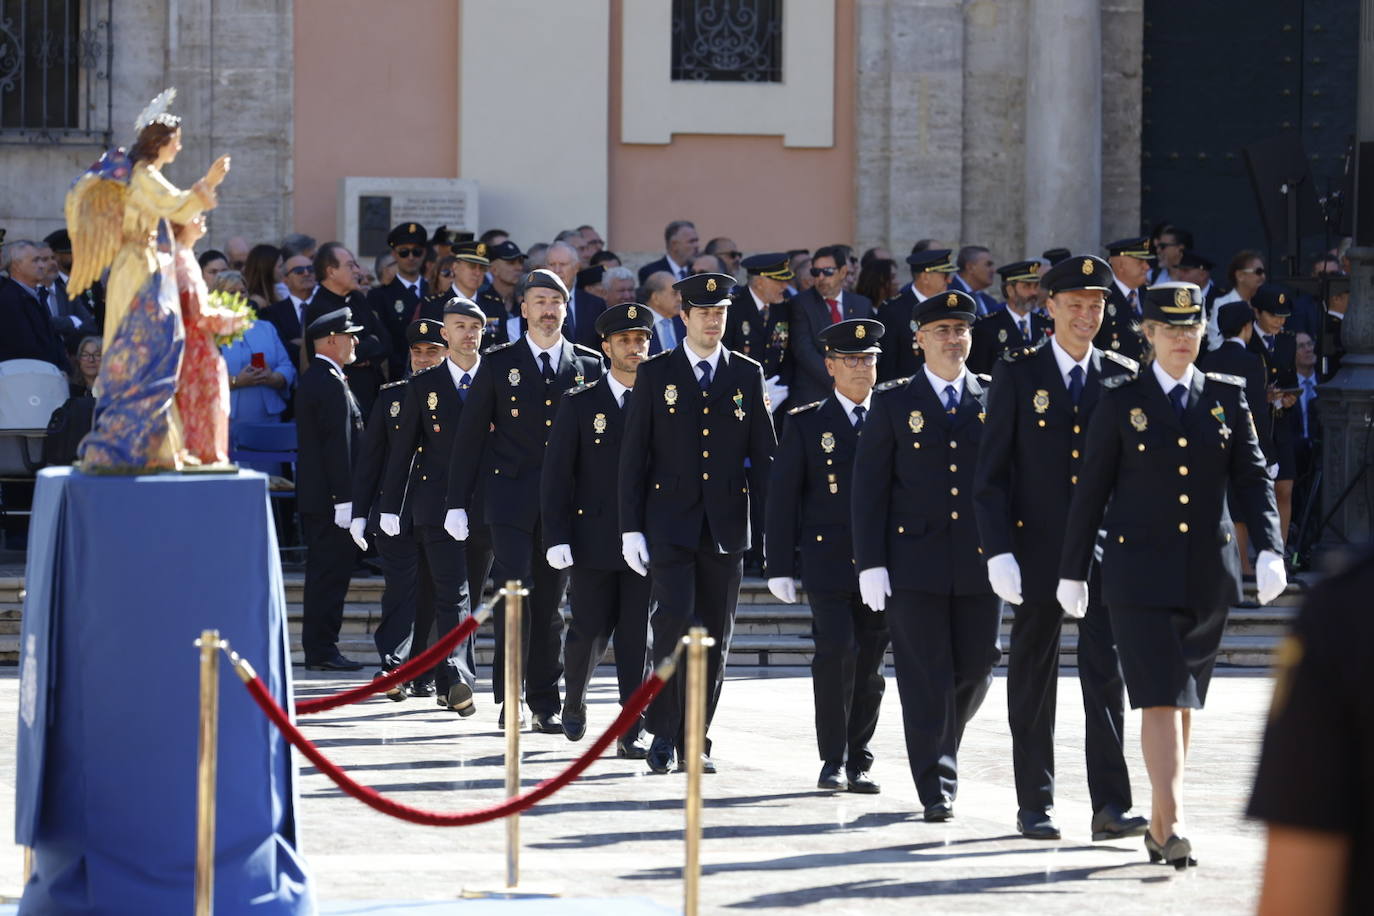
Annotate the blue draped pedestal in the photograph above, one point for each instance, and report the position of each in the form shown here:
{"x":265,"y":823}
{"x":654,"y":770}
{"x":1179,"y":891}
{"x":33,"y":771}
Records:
{"x":123,"y":574}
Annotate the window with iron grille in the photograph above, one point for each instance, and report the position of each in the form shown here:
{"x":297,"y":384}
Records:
{"x":55,"y":58}
{"x":738,"y":41}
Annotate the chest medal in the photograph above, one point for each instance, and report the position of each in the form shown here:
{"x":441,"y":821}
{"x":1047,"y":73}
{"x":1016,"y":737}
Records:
{"x":827,"y":442}
{"x":513,"y":377}
{"x":739,"y":404}
{"x":1220,"y":414}
{"x":1138,"y":421}
{"x":432,"y":402}
{"x":1041,"y":401}
{"x":916,"y":422}
{"x":599,"y":423}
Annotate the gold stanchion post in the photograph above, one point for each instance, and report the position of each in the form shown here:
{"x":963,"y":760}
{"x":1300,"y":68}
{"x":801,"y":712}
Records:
{"x":209,"y":644}
{"x":697,"y":642}
{"x":28,"y":865}
{"x":514,"y":593}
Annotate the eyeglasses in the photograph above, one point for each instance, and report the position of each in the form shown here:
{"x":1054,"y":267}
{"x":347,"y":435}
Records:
{"x":854,"y":361}
{"x":1180,"y":331}
{"x":1257,"y":271}
{"x":410,"y":252}
{"x":946,"y":332}
{"x":446,"y":274}
{"x":302,"y":270}
{"x":92,"y":357}
{"x":824,"y":271}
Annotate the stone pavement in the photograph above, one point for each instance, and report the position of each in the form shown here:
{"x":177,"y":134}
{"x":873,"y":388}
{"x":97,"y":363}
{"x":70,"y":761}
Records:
{"x":772,"y":842}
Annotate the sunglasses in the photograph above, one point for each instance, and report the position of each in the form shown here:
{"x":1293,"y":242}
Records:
{"x":824,"y":271}
{"x":1257,"y":271}
{"x":302,"y":270}
{"x":446,"y":274}
{"x":410,"y":252}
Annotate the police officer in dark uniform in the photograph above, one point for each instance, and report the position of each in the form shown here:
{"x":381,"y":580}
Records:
{"x":1162,"y":447}
{"x":1031,"y":457}
{"x":329,"y":426}
{"x":1015,"y":327}
{"x":582,"y":527}
{"x":693,"y":480}
{"x":915,"y":542}
{"x":1278,"y":347}
{"x":395,"y":302}
{"x":758,"y":319}
{"x":502,"y":436}
{"x":405,"y":570}
{"x":930,"y":273}
{"x":808,"y":507}
{"x":469,"y":282}
{"x":1130,"y":263}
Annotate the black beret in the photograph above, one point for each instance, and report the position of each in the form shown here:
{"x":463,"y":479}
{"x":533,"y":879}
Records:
{"x":412,"y":233}
{"x":543,"y":278}
{"x":627,"y":316}
{"x":506,"y":251}
{"x":1138,"y":247}
{"x":1083,"y":271}
{"x":1233,"y":316}
{"x":854,"y":335}
{"x":339,"y":321}
{"x":461,"y":305}
{"x":706,"y":290}
{"x":473,"y":252}
{"x":774,"y":265}
{"x":949,"y":304}
{"x":934,"y":260}
{"x":1020,"y":272}
{"x":1172,"y":303}
{"x":1274,"y":299}
{"x":57,"y":240}
{"x":1055,"y":255}
{"x":425,"y":330}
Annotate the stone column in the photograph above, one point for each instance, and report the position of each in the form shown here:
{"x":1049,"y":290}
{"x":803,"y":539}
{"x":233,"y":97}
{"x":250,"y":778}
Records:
{"x":1064,"y":125}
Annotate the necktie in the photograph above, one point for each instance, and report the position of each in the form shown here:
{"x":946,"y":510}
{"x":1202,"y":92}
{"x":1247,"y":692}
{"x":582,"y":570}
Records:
{"x":547,"y":371}
{"x":1269,"y":342}
{"x":43,"y":298}
{"x":1025,"y":329}
{"x":625,"y":399}
{"x":705,"y":368}
{"x":1178,"y":395}
{"x":464,"y":384}
{"x":951,"y":400}
{"x":835,"y":316}
{"x":1309,"y":391}
{"x":1076,"y":384}
{"x":1134,"y":301}
{"x":665,"y":333}
{"x":859,"y":411}
{"x":682,"y":273}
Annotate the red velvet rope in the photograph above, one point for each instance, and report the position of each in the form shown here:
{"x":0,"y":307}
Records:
{"x":641,"y":698}
{"x":417,"y":665}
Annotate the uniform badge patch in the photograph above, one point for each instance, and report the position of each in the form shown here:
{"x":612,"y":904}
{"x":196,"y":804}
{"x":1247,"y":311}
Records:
{"x":432,"y":402}
{"x":1183,"y":298}
{"x":916,"y":422}
{"x":599,"y":423}
{"x":1138,"y":420}
{"x":1111,"y":309}
{"x":395,"y":408}
{"x":743,"y":327}
{"x":670,"y":395}
{"x":827,"y":442}
{"x":400,"y":306}
{"x":1041,"y":401}
{"x":513,"y":377}
{"x":1002,"y":336}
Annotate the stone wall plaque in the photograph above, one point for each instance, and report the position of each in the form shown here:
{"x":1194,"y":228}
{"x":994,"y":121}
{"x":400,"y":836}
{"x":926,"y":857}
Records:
{"x":369,"y":207}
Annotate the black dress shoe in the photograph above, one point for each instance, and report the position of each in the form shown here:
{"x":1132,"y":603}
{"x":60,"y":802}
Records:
{"x":421,"y":688}
{"x":861,"y":783}
{"x":1111,"y":824}
{"x":1036,"y":825}
{"x":635,"y":749}
{"x":832,"y":778}
{"x":548,"y":723}
{"x":938,"y":813}
{"x":338,"y":663}
{"x":397,"y":693}
{"x":458,"y":698}
{"x":574,"y":723}
{"x":660,"y":755}
{"x":708,"y":766}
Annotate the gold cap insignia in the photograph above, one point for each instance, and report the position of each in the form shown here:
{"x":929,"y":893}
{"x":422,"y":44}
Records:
{"x":1182,"y":297}
{"x":861,"y":332}
{"x":1035,"y":267}
{"x":631,"y":312}
{"x":481,"y":249}
{"x":710,"y":284}
{"x":424,"y":327}
{"x":410,"y":228}
{"x":1087,"y":267}
{"x":952,"y":301}
{"x":1281,"y":298}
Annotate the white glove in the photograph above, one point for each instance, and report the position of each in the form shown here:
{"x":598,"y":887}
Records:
{"x":559,"y":556}
{"x":1273,"y":471}
{"x":390,"y":524}
{"x":1073,"y":597}
{"x":635,"y":550}
{"x":874,"y":587}
{"x":774,"y":392}
{"x":1005,"y":575}
{"x":783,"y":588}
{"x":1270,"y":576}
{"x":343,"y":515}
{"x":356,"y":528}
{"x":456,"y":524}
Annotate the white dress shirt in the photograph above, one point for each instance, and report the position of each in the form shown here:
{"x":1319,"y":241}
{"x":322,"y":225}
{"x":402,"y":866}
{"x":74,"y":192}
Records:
{"x":1167,"y":381}
{"x":617,"y":390}
{"x":713,"y":358}
{"x":940,"y":384}
{"x":554,"y":351}
{"x":849,"y":405}
{"x":457,"y":372}
{"x":1065,"y":362}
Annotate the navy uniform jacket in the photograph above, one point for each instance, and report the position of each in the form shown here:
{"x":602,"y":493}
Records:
{"x":328,"y":427}
{"x":690,"y":457}
{"x":493,"y":333}
{"x":763,"y":339}
{"x":913,"y":488}
{"x":898,"y":360}
{"x":504,"y":429}
{"x":579,"y":479}
{"x":1169,"y":538}
{"x":394,"y":304}
{"x":808,"y":498}
{"x":1120,"y":326}
{"x":810,"y":315}
{"x":381,"y":443}
{"x":1234,"y":359}
{"x":1281,"y":365}
{"x":1031,"y":458}
{"x":997,"y":333}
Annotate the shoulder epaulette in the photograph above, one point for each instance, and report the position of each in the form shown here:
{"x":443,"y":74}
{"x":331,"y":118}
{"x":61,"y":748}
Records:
{"x":1227,"y":378}
{"x":985,"y":379}
{"x":1122,"y":360}
{"x":581,"y":388}
{"x":892,"y":383}
{"x":587,"y":351}
{"x":812,"y":406}
{"x":1116,"y":381}
{"x":658,"y":355}
{"x":393,"y":384}
{"x":1013,"y":354}
{"x":748,"y":359}
{"x":495,"y":348}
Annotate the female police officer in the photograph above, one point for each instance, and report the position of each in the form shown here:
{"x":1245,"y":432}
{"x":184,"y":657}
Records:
{"x":1162,"y":447}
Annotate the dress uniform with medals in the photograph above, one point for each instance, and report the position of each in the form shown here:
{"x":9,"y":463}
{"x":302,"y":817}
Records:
{"x":484,"y":297}
{"x":1280,"y":353}
{"x":809,"y":510}
{"x":758,"y":329}
{"x":502,"y":436}
{"x":899,"y":358}
{"x":915,"y":539}
{"x":1030,"y":461}
{"x":1002,"y":330}
{"x":693,"y":480}
{"x":329,"y":425}
{"x":1121,"y":319}
{"x":395,"y":303}
{"x":610,"y":602}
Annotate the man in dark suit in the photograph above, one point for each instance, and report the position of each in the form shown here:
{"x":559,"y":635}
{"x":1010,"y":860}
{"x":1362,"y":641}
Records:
{"x":287,"y":315}
{"x":693,"y":480}
{"x":930,"y":270}
{"x":337,"y":272}
{"x":1015,"y":327}
{"x":915,"y":542}
{"x":24,"y":316}
{"x":504,"y":431}
{"x":1130,"y":263}
{"x":759,"y":319}
{"x":665,"y":303}
{"x":583,"y":307}
{"x":72,"y":319}
{"x":1031,"y":455}
{"x":395,"y":302}
{"x":822,"y":305}
{"x":582,"y":532}
{"x":681,"y":241}
{"x":329,"y":426}
{"x":808,"y":508}
{"x":974,"y":270}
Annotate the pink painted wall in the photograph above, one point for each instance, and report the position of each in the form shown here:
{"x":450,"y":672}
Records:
{"x":376,"y":93}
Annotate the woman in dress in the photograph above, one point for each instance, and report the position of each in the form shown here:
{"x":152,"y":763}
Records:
{"x":1162,"y":448}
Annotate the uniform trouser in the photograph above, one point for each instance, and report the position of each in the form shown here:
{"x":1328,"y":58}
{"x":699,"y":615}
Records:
{"x":846,"y":676}
{"x":477,"y":554}
{"x":440,"y":562}
{"x":329,"y":555}
{"x":607,"y":605}
{"x":944,"y":648}
{"x":691,"y":588}
{"x":406,"y":612}
{"x":519,"y":555}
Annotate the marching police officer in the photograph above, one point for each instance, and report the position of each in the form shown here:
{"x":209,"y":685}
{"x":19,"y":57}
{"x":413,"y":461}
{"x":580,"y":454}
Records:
{"x":809,"y":506}
{"x":1130,"y":263}
{"x":1031,"y":457}
{"x":1278,"y":347}
{"x":1015,"y":327}
{"x":609,"y":601}
{"x":504,"y":431}
{"x":930,"y":273}
{"x":469,"y":282}
{"x":915,"y":542}
{"x":329,"y":425}
{"x":395,"y":302}
{"x":759,"y":321}
{"x":693,"y":479}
